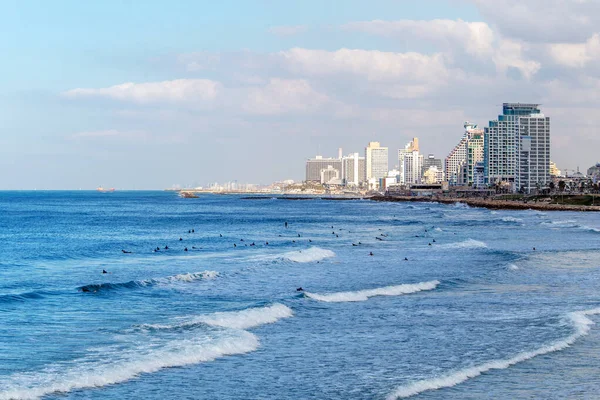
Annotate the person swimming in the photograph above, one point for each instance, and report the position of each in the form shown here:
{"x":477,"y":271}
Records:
{"x":286,"y":224}
{"x":354,"y":244}
{"x":180,"y":239}
{"x":299,"y":289}
{"x":234,"y":245}
{"x":193,"y":230}
{"x":104,"y":271}
{"x":371,"y":253}
{"x":185,"y":249}
{"x":266,"y":243}
{"x":220,"y":235}
{"x":166,"y":247}
{"x":405,"y":259}
{"x":126,"y":252}
{"x":298,"y":235}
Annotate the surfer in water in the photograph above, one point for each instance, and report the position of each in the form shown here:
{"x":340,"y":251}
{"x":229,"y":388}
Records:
{"x":299,"y":289}
{"x":126,"y":252}
{"x":104,"y":271}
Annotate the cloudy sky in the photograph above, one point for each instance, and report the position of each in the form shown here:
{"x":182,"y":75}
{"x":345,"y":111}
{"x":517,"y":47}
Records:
{"x":148,"y":94}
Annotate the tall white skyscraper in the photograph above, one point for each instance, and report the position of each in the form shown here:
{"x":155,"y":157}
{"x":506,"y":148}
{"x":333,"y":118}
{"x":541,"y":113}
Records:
{"x":353,"y":170}
{"x":410,"y":163}
{"x":376,"y":161}
{"x":517,"y":148}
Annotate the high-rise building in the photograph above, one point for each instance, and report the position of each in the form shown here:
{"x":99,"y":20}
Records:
{"x":376,"y":161}
{"x":475,"y":147}
{"x":517,"y":148}
{"x":353,"y":170}
{"x":554,"y":171}
{"x":431,"y":161}
{"x":454,"y":163}
{"x":314,"y":166}
{"x":533,"y":162}
{"x":410,"y":163}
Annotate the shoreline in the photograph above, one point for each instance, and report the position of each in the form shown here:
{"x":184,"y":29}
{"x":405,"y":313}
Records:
{"x":490,"y":204}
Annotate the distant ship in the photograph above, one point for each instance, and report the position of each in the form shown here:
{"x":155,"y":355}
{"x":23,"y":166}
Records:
{"x":102,"y":190}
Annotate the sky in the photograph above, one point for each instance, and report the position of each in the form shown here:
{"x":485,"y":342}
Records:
{"x":151,"y":94}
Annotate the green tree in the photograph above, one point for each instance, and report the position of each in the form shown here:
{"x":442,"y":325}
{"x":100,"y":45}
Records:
{"x":561,"y":186}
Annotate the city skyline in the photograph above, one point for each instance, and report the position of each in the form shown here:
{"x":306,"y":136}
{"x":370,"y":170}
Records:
{"x":101,"y":94}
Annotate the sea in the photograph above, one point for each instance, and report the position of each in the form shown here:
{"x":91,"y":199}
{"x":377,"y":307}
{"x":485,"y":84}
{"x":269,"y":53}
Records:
{"x":398,"y":300}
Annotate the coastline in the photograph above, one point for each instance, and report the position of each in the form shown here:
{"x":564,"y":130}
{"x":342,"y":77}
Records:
{"x":490,"y":204}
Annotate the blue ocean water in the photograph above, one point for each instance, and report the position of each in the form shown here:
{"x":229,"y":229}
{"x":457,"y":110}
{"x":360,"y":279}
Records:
{"x":474,"y":312}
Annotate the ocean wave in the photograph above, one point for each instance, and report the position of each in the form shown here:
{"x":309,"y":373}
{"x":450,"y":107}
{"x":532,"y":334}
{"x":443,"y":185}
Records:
{"x":467,"y":244}
{"x":569,"y":224}
{"x":122,"y":366}
{"x":187,"y":277}
{"x":512,"y":219}
{"x":363,"y":295}
{"x":581,"y":325}
{"x":512,"y":267}
{"x":243,"y":319}
{"x":309,"y":255}
{"x":20,"y":297}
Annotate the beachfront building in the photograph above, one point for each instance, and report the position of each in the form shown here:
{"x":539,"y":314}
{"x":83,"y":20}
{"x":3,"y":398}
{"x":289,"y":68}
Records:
{"x":353,"y":170}
{"x":314,"y":166}
{"x":433,"y":175}
{"x":431,"y":161}
{"x":594,"y":173}
{"x":533,"y":146}
{"x":554,"y":171}
{"x":376,"y":162}
{"x":410,"y":163}
{"x":475,"y":147}
{"x":517,"y":148}
{"x":456,"y":160}
{"x":330,"y":176}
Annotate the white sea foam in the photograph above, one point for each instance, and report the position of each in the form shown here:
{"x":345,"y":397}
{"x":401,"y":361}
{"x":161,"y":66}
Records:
{"x":438,"y":229}
{"x":120,"y":366}
{"x":467,"y":244}
{"x":512,"y":267}
{"x":309,"y":255}
{"x":363,"y":295}
{"x":243,"y":319}
{"x":512,"y":219}
{"x":249,"y":318}
{"x":192,"y":276}
{"x":581,"y":325}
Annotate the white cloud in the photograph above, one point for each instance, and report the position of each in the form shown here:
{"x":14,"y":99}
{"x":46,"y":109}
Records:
{"x":371,"y":64}
{"x":542,"y":21}
{"x":576,"y":55}
{"x":283,"y":96}
{"x":477,"y":38}
{"x":288,"y":30}
{"x":179,"y":90}
{"x":457,"y":40}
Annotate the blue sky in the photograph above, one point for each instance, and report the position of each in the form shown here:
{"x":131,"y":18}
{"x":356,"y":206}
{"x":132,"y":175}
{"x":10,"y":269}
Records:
{"x":247,"y":90}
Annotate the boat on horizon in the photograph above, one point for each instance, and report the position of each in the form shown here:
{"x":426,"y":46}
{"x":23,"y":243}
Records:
{"x":103,"y":190}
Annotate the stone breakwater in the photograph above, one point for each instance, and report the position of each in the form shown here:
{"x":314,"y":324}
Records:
{"x":490,"y":203}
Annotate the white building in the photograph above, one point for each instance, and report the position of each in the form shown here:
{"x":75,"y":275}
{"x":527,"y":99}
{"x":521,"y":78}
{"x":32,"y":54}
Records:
{"x":517,"y":148}
{"x":353,"y":170}
{"x":314,"y":166}
{"x":457,"y":158}
{"x":376,"y":161}
{"x":410,"y":163}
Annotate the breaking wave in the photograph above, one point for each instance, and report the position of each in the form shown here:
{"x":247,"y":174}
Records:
{"x":581,"y":325}
{"x":243,"y":319}
{"x":120,"y":366}
{"x":188,"y":277}
{"x":363,"y":295}
{"x":512,"y":219}
{"x":309,"y":255}
{"x":512,"y":267}
{"x":467,"y":244}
